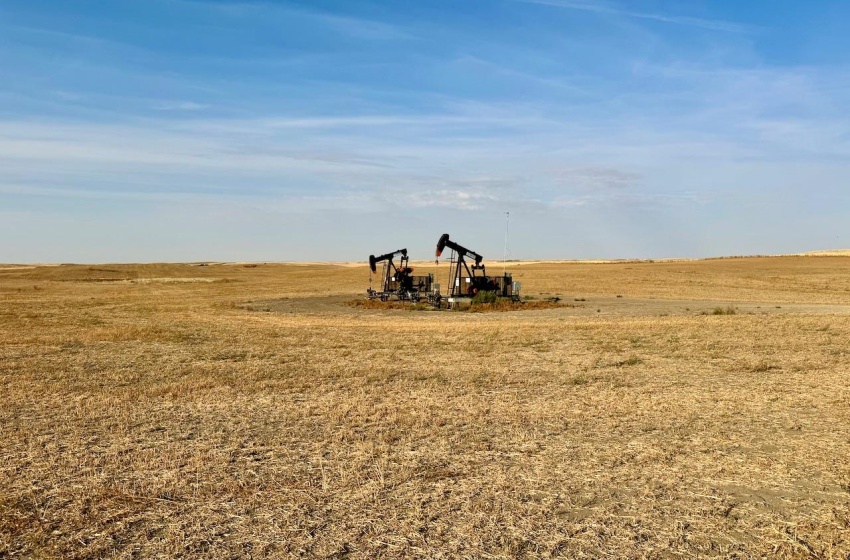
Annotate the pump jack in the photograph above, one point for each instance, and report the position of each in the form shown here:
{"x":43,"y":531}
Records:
{"x":466,"y":280}
{"x":397,"y":280}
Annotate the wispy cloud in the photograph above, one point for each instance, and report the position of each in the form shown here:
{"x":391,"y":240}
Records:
{"x":632,"y":200}
{"x":180,"y":106}
{"x":365,"y":29}
{"x":597,"y":177}
{"x":357,"y":27}
{"x":614,"y":10}
{"x":461,"y":200}
{"x":92,"y":194}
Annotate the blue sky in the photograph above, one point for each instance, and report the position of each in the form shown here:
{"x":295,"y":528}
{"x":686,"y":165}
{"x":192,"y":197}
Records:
{"x":153,"y":130}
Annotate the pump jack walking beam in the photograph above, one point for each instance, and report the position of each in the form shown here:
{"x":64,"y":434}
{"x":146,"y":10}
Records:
{"x":460,"y":250}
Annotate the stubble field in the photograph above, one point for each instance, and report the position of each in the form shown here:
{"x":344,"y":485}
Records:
{"x":673,"y":409}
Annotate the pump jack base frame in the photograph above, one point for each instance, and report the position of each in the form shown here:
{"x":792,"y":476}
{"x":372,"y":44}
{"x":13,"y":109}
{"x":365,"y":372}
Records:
{"x":413,"y":296}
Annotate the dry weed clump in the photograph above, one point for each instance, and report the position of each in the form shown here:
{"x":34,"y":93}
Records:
{"x":504,"y":304}
{"x":392,"y":304}
{"x":173,"y":419}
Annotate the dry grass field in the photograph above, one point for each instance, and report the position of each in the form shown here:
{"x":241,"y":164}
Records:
{"x":676,"y":409}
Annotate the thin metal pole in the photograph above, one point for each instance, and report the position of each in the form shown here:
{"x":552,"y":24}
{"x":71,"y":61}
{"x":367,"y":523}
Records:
{"x":505,"y":254}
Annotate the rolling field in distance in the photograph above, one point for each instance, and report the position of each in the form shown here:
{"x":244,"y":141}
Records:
{"x":673,"y":409}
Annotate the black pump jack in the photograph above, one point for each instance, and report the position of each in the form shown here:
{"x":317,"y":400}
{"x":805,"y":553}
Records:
{"x":468,"y":280}
{"x":401,"y":273}
{"x":398,"y":281}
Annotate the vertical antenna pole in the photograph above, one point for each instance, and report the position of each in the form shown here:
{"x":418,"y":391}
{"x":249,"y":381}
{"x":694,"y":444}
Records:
{"x":505,"y":254}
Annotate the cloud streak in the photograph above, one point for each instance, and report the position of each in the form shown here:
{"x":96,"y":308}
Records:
{"x":610,"y":9}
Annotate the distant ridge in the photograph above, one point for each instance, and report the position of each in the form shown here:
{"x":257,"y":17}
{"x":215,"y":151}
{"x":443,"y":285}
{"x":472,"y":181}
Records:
{"x":829,"y":253}
{"x":428,"y":262}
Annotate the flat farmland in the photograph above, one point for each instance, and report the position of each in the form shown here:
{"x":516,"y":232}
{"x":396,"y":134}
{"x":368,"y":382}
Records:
{"x":668,"y":409}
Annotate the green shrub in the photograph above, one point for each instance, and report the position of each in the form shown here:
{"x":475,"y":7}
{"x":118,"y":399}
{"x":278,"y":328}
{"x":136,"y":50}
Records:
{"x":482,"y":298}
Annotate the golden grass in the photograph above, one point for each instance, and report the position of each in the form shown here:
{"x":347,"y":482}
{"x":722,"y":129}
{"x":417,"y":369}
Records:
{"x":180,"y":418}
